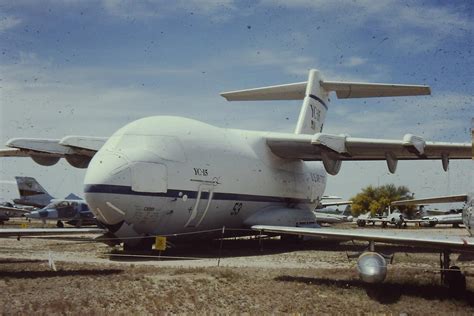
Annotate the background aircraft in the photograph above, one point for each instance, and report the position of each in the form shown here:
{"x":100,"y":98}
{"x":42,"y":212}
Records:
{"x":33,"y":194}
{"x":73,"y":212}
{"x":395,"y":218}
{"x":8,"y":210}
{"x":171,"y":175}
{"x":454,"y":219}
{"x":330,"y":215}
{"x":72,"y":209}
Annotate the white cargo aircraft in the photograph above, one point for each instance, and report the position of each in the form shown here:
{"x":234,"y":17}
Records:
{"x":165,"y":175}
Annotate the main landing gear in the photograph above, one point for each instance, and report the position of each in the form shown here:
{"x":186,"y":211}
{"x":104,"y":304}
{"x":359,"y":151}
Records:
{"x":451,"y":276}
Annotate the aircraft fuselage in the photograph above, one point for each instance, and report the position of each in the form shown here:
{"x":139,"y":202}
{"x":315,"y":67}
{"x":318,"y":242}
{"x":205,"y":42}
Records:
{"x":169,"y":175}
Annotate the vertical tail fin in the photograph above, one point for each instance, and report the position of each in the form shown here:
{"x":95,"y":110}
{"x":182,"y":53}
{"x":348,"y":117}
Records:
{"x":314,"y":108}
{"x":31,"y":192}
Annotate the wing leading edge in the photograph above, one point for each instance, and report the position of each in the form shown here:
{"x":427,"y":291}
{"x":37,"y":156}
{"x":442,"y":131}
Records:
{"x":451,"y":242}
{"x":77,"y":150}
{"x":19,"y":232}
{"x":433,"y":200}
{"x":333,"y":149}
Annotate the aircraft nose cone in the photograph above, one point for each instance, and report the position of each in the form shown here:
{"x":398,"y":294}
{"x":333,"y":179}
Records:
{"x":107,"y":175}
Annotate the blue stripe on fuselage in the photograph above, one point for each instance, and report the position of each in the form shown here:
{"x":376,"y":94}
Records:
{"x":126,"y":190}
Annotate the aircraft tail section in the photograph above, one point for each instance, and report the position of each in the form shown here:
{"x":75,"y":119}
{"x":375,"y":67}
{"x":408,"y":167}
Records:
{"x":314,"y":108}
{"x":315,"y":96}
{"x":31,"y":192}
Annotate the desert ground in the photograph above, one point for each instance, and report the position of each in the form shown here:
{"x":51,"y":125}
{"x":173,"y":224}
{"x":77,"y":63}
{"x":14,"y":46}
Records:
{"x":244,"y":276}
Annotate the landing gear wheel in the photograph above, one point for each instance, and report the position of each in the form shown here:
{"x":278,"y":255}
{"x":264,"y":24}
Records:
{"x":384,"y":224}
{"x":361,"y":223}
{"x":59,"y":224}
{"x":145,"y":244}
{"x":455,"y":280}
{"x":291,"y":238}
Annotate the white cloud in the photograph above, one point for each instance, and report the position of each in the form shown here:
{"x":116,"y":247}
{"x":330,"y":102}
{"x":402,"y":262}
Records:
{"x":355,"y":61}
{"x":161,"y":8}
{"x":9,"y":22}
{"x":395,"y":19}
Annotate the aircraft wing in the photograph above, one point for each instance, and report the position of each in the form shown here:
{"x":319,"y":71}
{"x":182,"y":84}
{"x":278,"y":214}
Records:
{"x":433,"y":200}
{"x":333,"y":203}
{"x":77,"y":150}
{"x":404,"y":238}
{"x":13,"y":211}
{"x":21,"y":232}
{"x":332,"y":149}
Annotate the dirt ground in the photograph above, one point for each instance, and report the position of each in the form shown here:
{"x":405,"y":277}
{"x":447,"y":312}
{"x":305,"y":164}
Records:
{"x":245,"y":276}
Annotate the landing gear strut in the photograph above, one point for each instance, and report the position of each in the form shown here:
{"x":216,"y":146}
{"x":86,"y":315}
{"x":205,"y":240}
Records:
{"x":451,"y":276}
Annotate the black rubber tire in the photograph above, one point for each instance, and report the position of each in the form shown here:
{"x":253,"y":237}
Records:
{"x":455,"y":280}
{"x":59,"y":224}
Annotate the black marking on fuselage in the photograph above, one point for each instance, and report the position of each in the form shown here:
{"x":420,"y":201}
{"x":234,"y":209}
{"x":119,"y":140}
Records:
{"x":312,"y":96}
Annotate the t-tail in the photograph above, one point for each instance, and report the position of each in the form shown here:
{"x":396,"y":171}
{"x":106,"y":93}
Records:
{"x":315,"y":96}
{"x":31,"y":192}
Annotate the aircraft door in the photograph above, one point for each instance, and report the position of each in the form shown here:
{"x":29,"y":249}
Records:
{"x":203,"y":201}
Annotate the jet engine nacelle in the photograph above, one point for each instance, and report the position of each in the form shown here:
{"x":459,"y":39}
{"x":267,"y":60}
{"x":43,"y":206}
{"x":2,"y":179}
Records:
{"x":45,"y":161}
{"x":81,"y":162}
{"x":372,"y":267}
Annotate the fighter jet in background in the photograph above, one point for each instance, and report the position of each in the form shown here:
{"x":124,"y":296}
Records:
{"x":72,"y":209}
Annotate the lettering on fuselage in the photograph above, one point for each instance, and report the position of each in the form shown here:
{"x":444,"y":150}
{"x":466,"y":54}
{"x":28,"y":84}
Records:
{"x":315,"y":116}
{"x":317,"y":177}
{"x":200,"y":172}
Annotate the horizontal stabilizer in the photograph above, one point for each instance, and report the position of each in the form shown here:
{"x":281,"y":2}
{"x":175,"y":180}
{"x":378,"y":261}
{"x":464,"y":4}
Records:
{"x":344,"y":90}
{"x":292,"y":91}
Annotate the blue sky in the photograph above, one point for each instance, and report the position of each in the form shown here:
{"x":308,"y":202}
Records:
{"x":89,"y":67}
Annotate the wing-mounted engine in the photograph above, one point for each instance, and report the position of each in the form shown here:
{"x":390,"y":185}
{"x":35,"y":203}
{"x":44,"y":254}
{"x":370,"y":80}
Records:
{"x":45,"y":160}
{"x":77,"y":150}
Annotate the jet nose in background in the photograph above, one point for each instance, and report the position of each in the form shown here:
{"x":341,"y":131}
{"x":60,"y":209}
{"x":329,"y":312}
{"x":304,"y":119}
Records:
{"x":39,"y":214}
